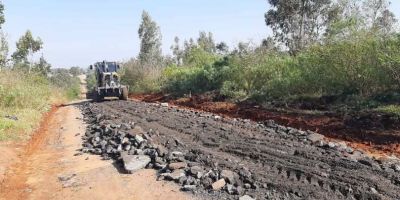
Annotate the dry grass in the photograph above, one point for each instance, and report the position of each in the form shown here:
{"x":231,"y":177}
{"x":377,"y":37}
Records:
{"x":26,"y":97}
{"x":390,"y":109}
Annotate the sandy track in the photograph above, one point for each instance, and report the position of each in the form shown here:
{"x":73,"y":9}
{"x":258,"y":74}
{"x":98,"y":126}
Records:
{"x":50,"y":156}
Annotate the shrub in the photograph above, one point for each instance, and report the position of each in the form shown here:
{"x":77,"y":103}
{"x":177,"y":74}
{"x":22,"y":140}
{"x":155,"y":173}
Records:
{"x":389,"y":57}
{"x":90,"y":80}
{"x":357,"y":69}
{"x":141,"y":78}
{"x":200,"y":73}
{"x":254,"y":74}
{"x":184,"y":80}
{"x":347,"y":67}
{"x":61,"y":78}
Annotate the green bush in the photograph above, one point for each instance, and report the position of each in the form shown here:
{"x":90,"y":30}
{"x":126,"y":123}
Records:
{"x":347,"y":67}
{"x":201,"y":73}
{"x":63,"y":79}
{"x":185,"y":80}
{"x":90,"y":80}
{"x":254,"y":74}
{"x":356,"y":69}
{"x":389,"y":57}
{"x":141,"y":78}
{"x":361,"y":68}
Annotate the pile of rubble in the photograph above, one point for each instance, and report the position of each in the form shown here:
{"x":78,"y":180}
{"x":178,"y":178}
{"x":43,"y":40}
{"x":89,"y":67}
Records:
{"x":134,"y":147}
{"x":201,"y":169}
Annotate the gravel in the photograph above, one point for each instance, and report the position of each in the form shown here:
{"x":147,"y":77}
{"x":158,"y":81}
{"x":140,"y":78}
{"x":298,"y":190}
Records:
{"x":233,"y":158}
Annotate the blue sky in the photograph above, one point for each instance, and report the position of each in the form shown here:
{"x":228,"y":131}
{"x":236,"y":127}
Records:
{"x":81,"y":32}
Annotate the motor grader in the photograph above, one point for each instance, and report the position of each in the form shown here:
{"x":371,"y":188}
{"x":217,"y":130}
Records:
{"x":108,"y":82}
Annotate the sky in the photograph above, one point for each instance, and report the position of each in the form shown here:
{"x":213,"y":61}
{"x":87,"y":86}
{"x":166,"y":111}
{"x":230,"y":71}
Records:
{"x":81,"y":32}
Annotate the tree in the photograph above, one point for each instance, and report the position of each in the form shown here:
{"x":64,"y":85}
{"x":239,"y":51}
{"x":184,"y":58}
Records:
{"x":3,"y":50}
{"x":177,"y":51}
{"x":297,"y":23}
{"x":378,"y":17}
{"x":150,"y":45}
{"x":2,"y":18}
{"x":268,"y":44}
{"x":3,"y":41}
{"x":349,"y":17}
{"x":343,"y":19}
{"x":206,"y":42}
{"x":386,"y":22}
{"x":222,"y":48}
{"x":42,"y":67}
{"x":188,"y":47}
{"x":76,"y":71}
{"x":243,"y":48}
{"x":27,"y":45}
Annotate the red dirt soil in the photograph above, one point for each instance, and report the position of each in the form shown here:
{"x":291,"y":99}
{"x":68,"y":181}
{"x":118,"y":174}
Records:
{"x":16,"y":181}
{"x":374,"y":141}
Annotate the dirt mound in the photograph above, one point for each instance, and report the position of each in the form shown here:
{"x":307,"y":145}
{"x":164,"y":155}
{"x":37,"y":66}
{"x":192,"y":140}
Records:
{"x":376,"y":133}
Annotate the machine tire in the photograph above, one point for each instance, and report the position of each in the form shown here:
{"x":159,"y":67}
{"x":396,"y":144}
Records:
{"x":124,"y":95}
{"x":97,"y":97}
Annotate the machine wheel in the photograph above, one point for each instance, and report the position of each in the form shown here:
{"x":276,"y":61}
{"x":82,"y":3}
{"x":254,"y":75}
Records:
{"x":124,"y":95}
{"x":97,"y":97}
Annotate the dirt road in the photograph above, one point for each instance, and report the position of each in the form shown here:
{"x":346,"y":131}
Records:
{"x":50,"y":167}
{"x":231,"y":157}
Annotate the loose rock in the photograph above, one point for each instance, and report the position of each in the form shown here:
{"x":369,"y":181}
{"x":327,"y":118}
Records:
{"x":246,"y":197}
{"x":189,"y":187}
{"x":176,"y":175}
{"x":315,"y":137}
{"x":136,"y":131}
{"x":133,"y":163}
{"x":178,"y":165}
{"x":139,"y":139}
{"x":164,"y":104}
{"x":218,"y":185}
{"x":228,"y":176}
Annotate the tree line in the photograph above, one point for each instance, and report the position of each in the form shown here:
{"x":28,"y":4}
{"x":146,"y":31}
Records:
{"x":26,"y":47}
{"x":296,"y":25}
{"x":346,"y":49}
{"x":28,"y":82}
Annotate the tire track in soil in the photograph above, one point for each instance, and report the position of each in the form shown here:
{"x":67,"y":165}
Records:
{"x":283,"y":166}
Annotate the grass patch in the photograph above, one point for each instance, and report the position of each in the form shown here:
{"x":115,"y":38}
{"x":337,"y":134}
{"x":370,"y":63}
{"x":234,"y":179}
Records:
{"x":28,"y":120}
{"x":28,"y":97}
{"x":389,"y":109}
{"x":25,"y":96}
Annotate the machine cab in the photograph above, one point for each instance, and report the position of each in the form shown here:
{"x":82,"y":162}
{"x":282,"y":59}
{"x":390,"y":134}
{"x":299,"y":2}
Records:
{"x":106,"y":67}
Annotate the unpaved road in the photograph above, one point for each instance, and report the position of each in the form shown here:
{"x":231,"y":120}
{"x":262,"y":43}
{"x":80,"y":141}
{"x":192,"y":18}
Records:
{"x":283,"y":164}
{"x":49,"y":157}
{"x":50,"y":167}
{"x":275,"y":162}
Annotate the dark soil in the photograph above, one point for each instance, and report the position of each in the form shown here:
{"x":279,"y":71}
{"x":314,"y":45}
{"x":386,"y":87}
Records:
{"x":377,"y":133}
{"x":278,"y":162}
